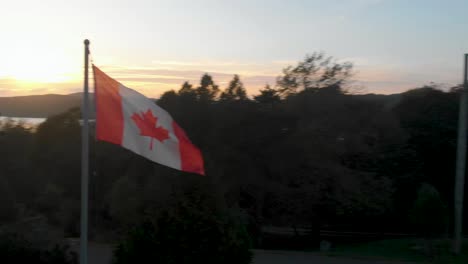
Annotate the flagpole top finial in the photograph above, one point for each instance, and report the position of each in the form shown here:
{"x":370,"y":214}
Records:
{"x":86,"y":42}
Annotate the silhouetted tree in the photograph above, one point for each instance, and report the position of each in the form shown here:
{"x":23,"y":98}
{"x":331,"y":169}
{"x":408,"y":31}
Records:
{"x":168,"y":98}
{"x":208,"y":90}
{"x":268,"y":96}
{"x":186,"y":89}
{"x":430,"y":118}
{"x":235,"y":91}
{"x":314,"y":72}
{"x":305,"y":154}
{"x":429,"y":213}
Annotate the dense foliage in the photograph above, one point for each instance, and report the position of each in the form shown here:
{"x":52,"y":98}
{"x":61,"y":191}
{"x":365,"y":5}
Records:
{"x":15,"y":249}
{"x":302,"y":153}
{"x":193,"y":230}
{"x":429,"y":213}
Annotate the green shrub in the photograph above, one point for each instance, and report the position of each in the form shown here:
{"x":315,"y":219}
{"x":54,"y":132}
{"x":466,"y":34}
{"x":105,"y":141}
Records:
{"x":187,"y":236}
{"x":429,"y":214}
{"x":15,"y":249}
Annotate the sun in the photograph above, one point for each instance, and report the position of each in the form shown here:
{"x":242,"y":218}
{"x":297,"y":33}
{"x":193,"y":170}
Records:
{"x":31,"y":66}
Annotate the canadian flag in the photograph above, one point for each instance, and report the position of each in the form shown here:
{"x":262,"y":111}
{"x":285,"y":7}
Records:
{"x":129,"y":119}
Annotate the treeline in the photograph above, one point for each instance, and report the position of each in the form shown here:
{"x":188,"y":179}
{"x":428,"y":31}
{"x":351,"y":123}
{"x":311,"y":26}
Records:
{"x":305,"y":152}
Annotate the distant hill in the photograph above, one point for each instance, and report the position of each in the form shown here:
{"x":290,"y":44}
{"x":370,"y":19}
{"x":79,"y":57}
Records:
{"x":52,"y":104}
{"x":38,"y":105}
{"x":387,"y":101}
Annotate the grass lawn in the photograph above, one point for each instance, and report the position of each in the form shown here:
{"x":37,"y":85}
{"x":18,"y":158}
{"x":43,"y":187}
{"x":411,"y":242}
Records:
{"x":404,"y":250}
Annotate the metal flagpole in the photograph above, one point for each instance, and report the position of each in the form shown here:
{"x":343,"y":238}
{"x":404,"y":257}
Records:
{"x":461,"y":162}
{"x":84,"y":163}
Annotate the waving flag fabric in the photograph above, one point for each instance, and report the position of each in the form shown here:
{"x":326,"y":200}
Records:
{"x":131,"y":120}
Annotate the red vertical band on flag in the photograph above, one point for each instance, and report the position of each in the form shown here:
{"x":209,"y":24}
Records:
{"x":109,"y":114}
{"x":191,"y":159}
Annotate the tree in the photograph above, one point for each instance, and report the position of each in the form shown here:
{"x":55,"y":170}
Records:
{"x":7,"y":203}
{"x":14,"y":248}
{"x":268,"y":96}
{"x":305,"y":154}
{"x":168,"y":98}
{"x":16,"y":141}
{"x":208,"y":90}
{"x":429,"y":215}
{"x":193,"y":228}
{"x":60,"y":136}
{"x":186,"y":89}
{"x":429,"y":116}
{"x":124,"y":201}
{"x":314,"y":72}
{"x":187,"y":94}
{"x":235,"y":91}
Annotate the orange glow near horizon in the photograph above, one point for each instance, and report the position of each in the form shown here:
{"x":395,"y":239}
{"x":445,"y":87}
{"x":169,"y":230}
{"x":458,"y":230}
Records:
{"x":28,"y":66}
{"x":154,"y":46}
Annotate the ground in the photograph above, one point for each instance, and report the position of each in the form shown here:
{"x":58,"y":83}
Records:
{"x":393,"y":251}
{"x":101,"y":254}
{"x":297,"y":257}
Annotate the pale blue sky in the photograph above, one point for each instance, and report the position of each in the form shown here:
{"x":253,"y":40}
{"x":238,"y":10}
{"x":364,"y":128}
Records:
{"x":153,"y":45}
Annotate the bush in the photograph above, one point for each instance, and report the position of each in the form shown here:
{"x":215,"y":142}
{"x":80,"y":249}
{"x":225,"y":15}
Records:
{"x":15,"y":249}
{"x":429,"y":214}
{"x":188,"y":236}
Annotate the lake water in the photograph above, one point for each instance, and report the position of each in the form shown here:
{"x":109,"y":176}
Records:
{"x":32,"y":121}
{"x":26,"y":120}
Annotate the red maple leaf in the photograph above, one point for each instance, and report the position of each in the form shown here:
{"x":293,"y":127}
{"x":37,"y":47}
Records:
{"x":147,"y":122}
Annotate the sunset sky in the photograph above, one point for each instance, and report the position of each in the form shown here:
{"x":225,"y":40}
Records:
{"x":153,"y":45}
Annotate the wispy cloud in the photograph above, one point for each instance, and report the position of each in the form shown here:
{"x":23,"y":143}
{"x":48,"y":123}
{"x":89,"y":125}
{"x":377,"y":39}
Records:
{"x":369,"y":2}
{"x":375,"y":75}
{"x":154,"y":81}
{"x":228,"y":67}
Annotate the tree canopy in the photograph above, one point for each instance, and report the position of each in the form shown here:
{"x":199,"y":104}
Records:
{"x":302,"y":153}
